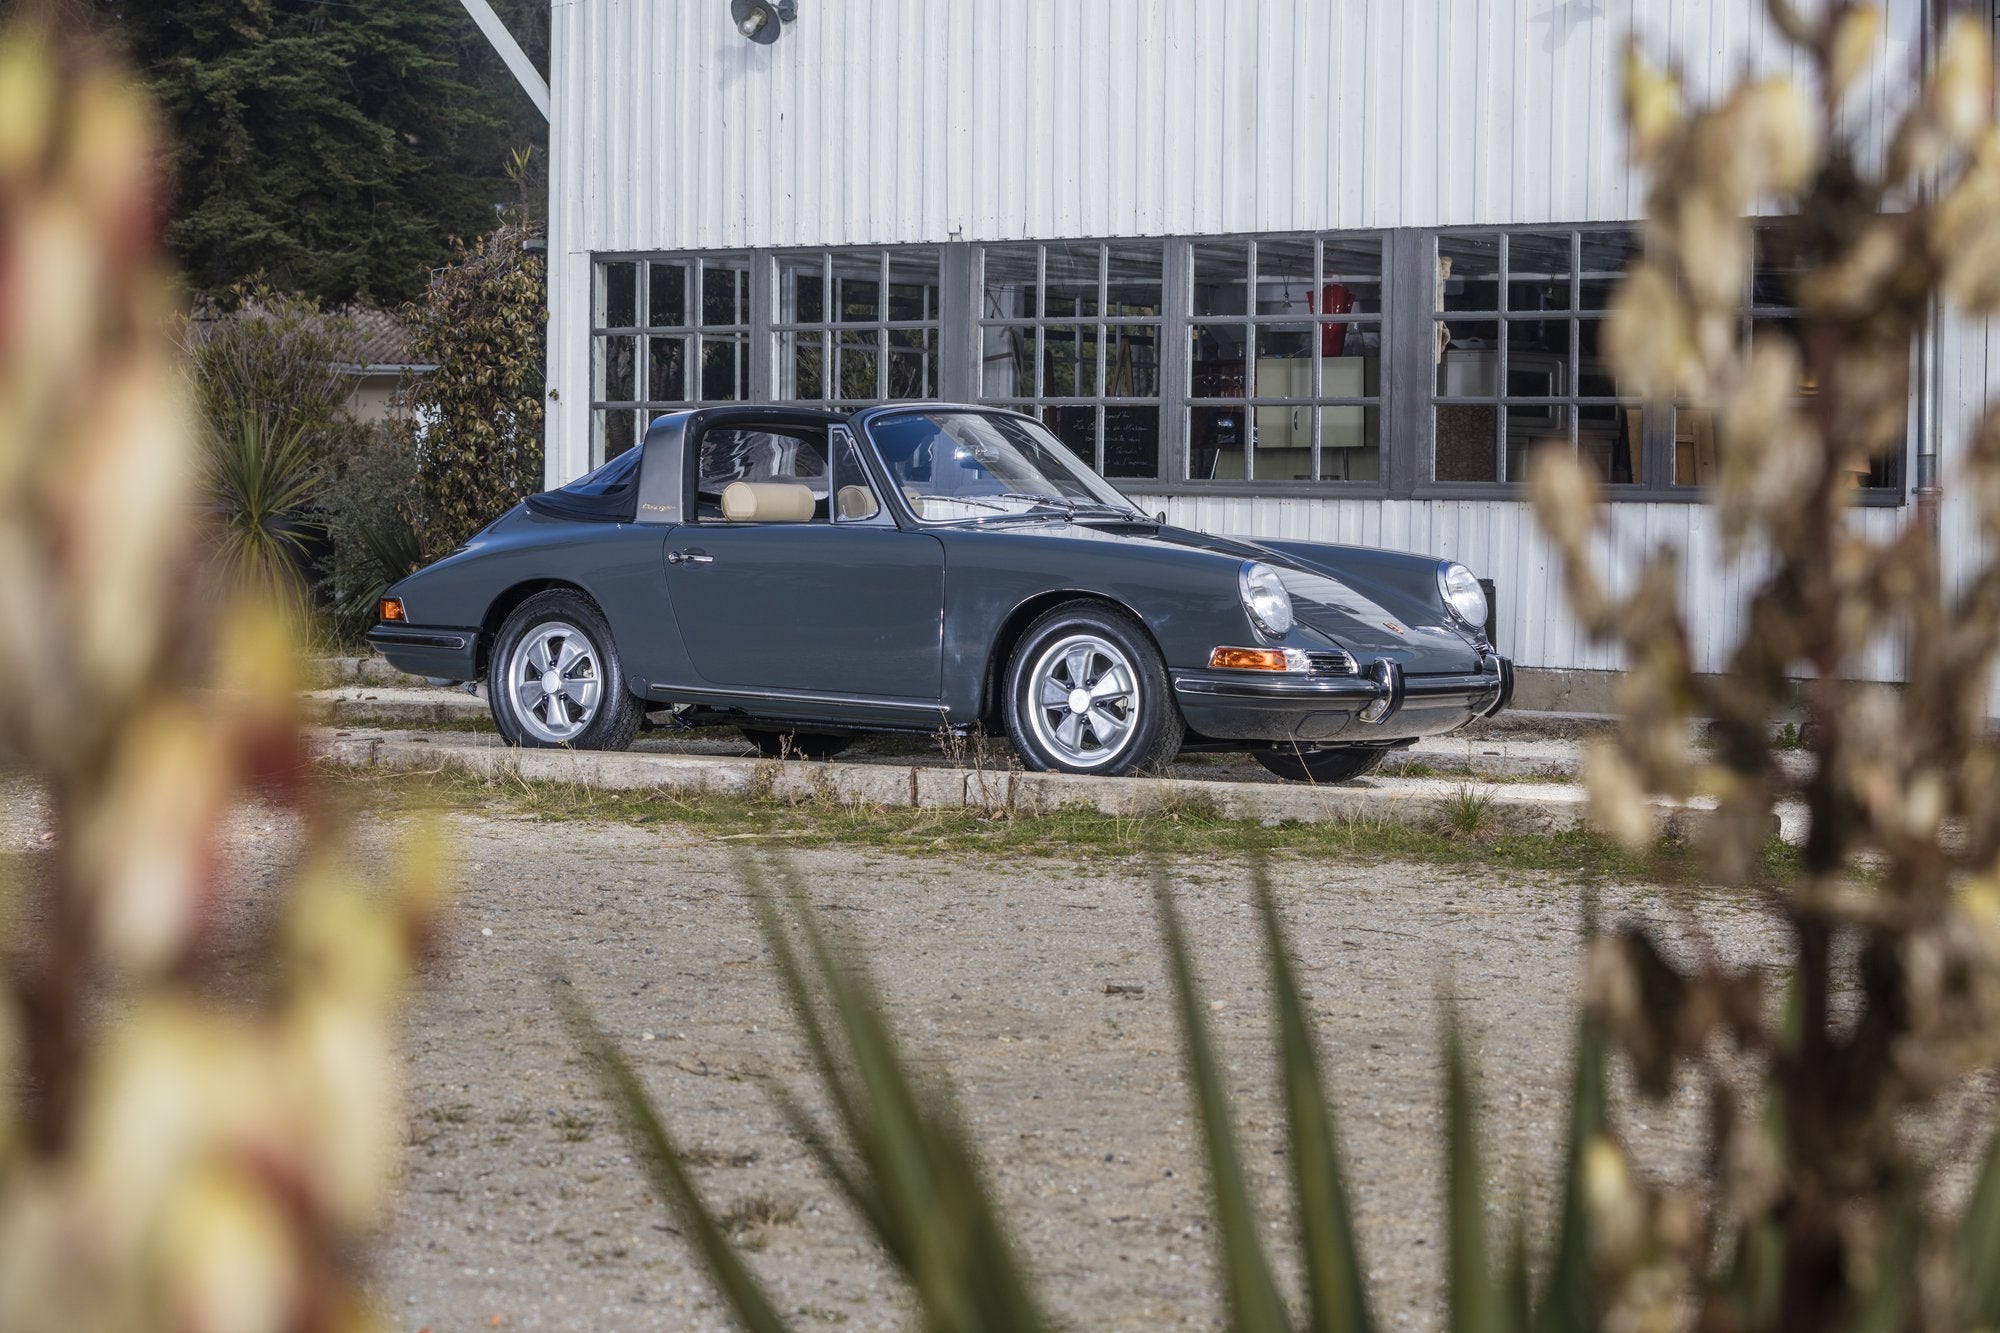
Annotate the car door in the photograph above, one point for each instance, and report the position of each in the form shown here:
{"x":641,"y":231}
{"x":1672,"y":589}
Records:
{"x":802,"y":582}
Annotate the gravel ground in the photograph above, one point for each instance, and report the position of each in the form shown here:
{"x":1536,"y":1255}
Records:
{"x":522,"y":1201}
{"x":521,"y":1206}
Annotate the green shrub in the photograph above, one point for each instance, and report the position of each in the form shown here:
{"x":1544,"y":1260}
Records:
{"x":369,"y":498}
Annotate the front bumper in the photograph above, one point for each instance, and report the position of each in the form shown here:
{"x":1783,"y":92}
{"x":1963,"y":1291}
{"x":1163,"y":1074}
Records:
{"x":1260,"y":706}
{"x":440,"y":652}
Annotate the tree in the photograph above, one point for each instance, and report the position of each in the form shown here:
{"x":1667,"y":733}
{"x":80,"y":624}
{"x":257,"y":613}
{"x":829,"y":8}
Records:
{"x":333,"y":150}
{"x":477,"y":419}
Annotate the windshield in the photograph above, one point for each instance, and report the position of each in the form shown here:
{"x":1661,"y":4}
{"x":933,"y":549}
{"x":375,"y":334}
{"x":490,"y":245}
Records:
{"x":955,"y":467}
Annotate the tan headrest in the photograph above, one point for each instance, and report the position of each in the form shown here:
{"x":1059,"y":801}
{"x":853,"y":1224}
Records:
{"x":767,"y":502}
{"x":857,"y":502}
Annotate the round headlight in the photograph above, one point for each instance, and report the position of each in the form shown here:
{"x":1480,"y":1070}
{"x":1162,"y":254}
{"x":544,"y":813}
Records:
{"x":1462,"y":593}
{"x":1265,"y":598}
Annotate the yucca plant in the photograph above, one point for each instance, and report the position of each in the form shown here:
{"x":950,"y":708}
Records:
{"x":260,"y":481}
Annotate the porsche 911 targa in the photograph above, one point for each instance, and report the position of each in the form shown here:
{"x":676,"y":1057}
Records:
{"x":808,"y":576}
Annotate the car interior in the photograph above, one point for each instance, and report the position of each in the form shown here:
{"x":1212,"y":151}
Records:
{"x":759,"y":474}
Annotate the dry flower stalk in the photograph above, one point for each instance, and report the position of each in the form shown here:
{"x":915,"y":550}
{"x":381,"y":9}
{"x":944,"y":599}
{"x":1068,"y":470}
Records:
{"x":1818,"y":1199}
{"x":171,"y":1155}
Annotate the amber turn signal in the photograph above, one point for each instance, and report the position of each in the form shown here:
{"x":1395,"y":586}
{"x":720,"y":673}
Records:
{"x":1249,"y":659}
{"x":392,"y":609}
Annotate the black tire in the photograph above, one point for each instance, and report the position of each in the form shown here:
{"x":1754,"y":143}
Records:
{"x":1142,"y":723}
{"x":1344,"y":764}
{"x":795,"y":744}
{"x":561,"y":621}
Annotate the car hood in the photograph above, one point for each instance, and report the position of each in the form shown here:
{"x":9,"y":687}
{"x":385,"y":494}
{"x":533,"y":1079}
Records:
{"x":1368,"y":614}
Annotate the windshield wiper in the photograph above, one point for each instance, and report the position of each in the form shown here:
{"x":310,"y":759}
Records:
{"x":1071,"y":508}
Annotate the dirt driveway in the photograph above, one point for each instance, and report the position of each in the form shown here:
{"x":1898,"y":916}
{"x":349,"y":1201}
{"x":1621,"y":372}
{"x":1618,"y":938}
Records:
{"x":522,"y":1203}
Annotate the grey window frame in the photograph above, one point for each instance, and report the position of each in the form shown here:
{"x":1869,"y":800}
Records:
{"x":782,"y":390}
{"x":643,"y":406}
{"x":1037,"y":400}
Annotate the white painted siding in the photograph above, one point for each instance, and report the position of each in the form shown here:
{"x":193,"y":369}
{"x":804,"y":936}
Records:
{"x":890,"y":121}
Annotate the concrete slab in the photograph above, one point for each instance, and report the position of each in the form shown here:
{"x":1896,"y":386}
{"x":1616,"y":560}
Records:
{"x":1513,"y":808}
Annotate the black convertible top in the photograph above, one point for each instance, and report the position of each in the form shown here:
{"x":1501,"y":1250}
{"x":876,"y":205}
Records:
{"x":608,"y":495}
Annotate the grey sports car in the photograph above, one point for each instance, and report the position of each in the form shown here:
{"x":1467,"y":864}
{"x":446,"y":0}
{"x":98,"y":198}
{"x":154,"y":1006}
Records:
{"x":809,"y":575}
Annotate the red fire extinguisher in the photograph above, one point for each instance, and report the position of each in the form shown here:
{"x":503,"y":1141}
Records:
{"x":1336,"y":300}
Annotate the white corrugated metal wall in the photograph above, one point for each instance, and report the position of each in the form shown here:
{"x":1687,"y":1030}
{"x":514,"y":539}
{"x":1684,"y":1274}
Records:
{"x":888,"y":121}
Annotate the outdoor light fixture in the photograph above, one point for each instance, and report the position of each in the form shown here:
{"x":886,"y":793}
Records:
{"x":763,"y":21}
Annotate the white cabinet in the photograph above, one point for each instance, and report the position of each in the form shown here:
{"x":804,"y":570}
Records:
{"x":1284,"y":434}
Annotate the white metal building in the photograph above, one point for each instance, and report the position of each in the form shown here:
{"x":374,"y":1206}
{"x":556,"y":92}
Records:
{"x":1315,"y":268}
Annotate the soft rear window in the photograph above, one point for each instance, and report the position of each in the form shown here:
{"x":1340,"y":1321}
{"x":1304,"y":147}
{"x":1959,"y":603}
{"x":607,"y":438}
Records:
{"x":607,"y":495}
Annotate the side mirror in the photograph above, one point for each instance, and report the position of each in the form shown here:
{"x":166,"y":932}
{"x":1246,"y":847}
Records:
{"x":1161,"y":518}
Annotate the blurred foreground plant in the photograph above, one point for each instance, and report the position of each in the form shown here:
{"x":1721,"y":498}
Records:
{"x":176,"y":1151}
{"x":1821,"y":1213}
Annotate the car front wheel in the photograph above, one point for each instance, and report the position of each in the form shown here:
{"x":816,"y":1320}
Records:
{"x":554,"y":679}
{"x":1322,"y":766}
{"x":1087,"y":693}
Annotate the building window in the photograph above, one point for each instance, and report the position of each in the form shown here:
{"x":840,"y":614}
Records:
{"x":1518,"y":318}
{"x":1071,"y":333}
{"x":1285,"y":359}
{"x":858,"y":326}
{"x":667,"y":334}
{"x":1771,"y":308}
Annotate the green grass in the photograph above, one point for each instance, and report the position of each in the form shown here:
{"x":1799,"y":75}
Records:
{"x":1177,"y":827}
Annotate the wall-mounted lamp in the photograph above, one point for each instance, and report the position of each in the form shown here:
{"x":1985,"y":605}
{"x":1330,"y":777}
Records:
{"x":763,"y":21}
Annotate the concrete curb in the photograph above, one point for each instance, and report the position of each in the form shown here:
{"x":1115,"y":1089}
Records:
{"x":1540,"y":809}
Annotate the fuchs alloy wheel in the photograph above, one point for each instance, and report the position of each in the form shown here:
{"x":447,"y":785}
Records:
{"x":1342,"y":764}
{"x":1087,"y":693}
{"x":554,"y":679}
{"x":795,"y":744}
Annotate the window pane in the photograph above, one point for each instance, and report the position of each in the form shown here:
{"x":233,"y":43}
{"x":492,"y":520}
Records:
{"x":1285,"y":276}
{"x":1131,"y":442}
{"x":617,"y":297}
{"x":1284,"y":442}
{"x":913,"y":363}
{"x":667,"y":306}
{"x":615,"y":432}
{"x":804,"y":354}
{"x":1606,"y":256}
{"x":1538,"y":358}
{"x":1131,"y":360}
{"x":1075,"y":427}
{"x":1284,"y":362}
{"x":1466,"y":442}
{"x":1538,"y":267}
{"x":1594,"y":378}
{"x":854,"y":494}
{"x":1215,"y":367}
{"x":913,"y":283}
{"x":1133,"y":272}
{"x":1695,"y":460}
{"x":725,"y":369}
{"x":666,"y":375}
{"x":1071,"y":279}
{"x":1007,"y":367}
{"x":1009,"y":282}
{"x":1350,"y":444}
{"x":725,"y":294}
{"x":1774,"y":283}
{"x":854,"y":373}
{"x":802,"y":291}
{"x":1608,"y":438}
{"x":1352,"y":273}
{"x":1069,"y":366}
{"x":1358,"y":373}
{"x":1216,"y":444}
{"x":1221,"y":277}
{"x":857,"y":291}
{"x":1470,"y":365}
{"x":1528,"y":429}
{"x":1468,"y":270}
{"x":617,"y":369}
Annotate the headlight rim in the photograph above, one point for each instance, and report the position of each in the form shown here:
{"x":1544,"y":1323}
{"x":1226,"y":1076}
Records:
{"x":1265,"y":623}
{"x":1445,"y":570}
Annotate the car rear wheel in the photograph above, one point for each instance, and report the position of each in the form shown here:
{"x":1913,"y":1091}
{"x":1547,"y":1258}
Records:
{"x":554,"y":680}
{"x":1322,"y":766}
{"x":1087,"y":693}
{"x":795,"y":744}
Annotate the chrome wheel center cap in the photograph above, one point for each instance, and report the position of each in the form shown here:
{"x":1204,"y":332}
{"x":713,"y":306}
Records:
{"x":1079,"y":701}
{"x":551,"y":682}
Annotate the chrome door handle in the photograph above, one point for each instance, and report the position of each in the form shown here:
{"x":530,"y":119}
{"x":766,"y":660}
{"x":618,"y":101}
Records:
{"x":690,"y":558}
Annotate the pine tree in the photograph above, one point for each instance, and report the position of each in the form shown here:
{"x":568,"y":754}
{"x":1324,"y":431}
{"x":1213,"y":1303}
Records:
{"x":335,"y":149}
